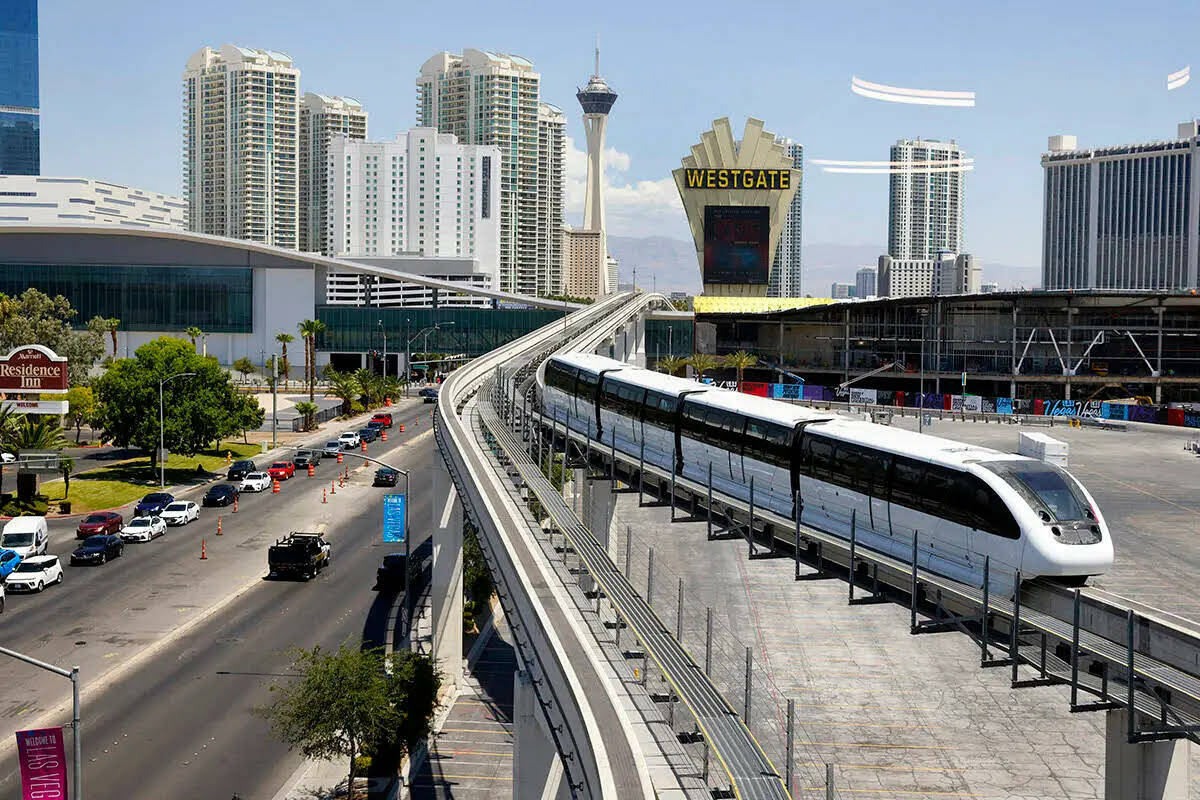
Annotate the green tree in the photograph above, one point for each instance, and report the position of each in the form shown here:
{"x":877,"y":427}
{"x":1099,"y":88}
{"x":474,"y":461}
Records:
{"x":343,"y":386}
{"x":244,"y":366}
{"x":36,"y":318}
{"x":194,"y":333}
{"x":671,"y":364}
{"x":371,"y":387}
{"x":309,"y":330}
{"x":81,"y":407}
{"x":741,"y":360}
{"x":197,"y":409}
{"x":249,"y":415}
{"x":307,"y":410}
{"x":702,"y":363}
{"x":66,"y":465}
{"x":35,"y":432}
{"x":477,"y":578}
{"x":111,"y":324}
{"x":284,"y":365}
{"x":346,"y":703}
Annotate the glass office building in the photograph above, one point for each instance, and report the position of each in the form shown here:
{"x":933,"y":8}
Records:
{"x":20,"y":147}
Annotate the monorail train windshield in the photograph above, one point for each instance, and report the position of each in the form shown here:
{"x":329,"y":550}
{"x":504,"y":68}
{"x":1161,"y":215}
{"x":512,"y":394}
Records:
{"x":1046,"y":488}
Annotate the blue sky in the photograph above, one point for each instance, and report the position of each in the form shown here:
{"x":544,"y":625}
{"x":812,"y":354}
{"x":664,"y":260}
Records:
{"x":111,"y":102}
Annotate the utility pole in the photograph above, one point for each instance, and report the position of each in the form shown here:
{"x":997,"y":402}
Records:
{"x":383,"y":330}
{"x":407,"y":358}
{"x":274,"y":399}
{"x":921,"y":397}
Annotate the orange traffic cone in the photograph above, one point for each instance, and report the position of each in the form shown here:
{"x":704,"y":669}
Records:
{"x":364,"y":447}
{"x":340,"y":458}
{"x":341,"y":480}
{"x":275,"y":486}
{"x":234,"y":505}
{"x":402,"y":427}
{"x":203,"y":551}
{"x":333,"y":487}
{"x":383,"y":435}
{"x":219,"y":526}
{"x":311,"y":470}
{"x":324,"y":499}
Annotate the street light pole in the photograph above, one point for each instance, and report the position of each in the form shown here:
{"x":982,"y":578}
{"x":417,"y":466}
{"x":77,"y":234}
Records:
{"x":407,"y":358}
{"x":383,"y":330}
{"x":921,"y":395}
{"x":274,"y":399}
{"x":76,"y":740}
{"x":162,"y":462}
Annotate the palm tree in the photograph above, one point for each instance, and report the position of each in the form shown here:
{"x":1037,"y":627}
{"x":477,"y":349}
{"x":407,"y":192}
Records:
{"x":740,"y":361}
{"x":194,"y":333}
{"x":112,"y":323}
{"x":36,"y":432}
{"x":370,"y":385}
{"x":309,"y":330}
{"x":283,"y":339}
{"x":671,"y":364}
{"x":702,"y":363}
{"x":307,"y":410}
{"x":343,"y":386}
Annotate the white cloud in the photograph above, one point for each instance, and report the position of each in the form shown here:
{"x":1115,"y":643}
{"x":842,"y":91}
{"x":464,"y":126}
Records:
{"x":632,"y":207}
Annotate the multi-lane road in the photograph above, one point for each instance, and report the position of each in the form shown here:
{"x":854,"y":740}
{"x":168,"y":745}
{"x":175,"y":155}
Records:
{"x":177,"y":652}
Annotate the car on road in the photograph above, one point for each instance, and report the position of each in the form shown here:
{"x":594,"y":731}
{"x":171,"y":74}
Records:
{"x":429,"y":395}
{"x":304,"y":458}
{"x":8,"y":562}
{"x":143,"y":529}
{"x":98,"y":549}
{"x":382,"y":419}
{"x":35,"y":573}
{"x":350,"y":439}
{"x":240,"y":469}
{"x":281,"y":470}
{"x":299,"y":554}
{"x":153,"y":504}
{"x":392,"y":574}
{"x":368,"y":434}
{"x":181,"y":512}
{"x":255,"y":482}
{"x":25,"y":536}
{"x":385,"y":476}
{"x":223,"y":494}
{"x":99,"y":522}
{"x":333,"y":448}
{"x":7,"y":458}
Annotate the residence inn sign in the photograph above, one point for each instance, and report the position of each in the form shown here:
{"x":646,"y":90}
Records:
{"x":33,"y":369}
{"x":736,"y":194}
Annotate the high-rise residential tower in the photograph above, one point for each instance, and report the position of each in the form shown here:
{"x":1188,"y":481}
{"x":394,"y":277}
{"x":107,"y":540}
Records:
{"x":866,"y":281}
{"x":322,"y":119}
{"x":494,"y":98}
{"x":785,"y":269}
{"x":20,"y":127}
{"x":926,"y":207}
{"x":1122,"y":217}
{"x":240,"y":143}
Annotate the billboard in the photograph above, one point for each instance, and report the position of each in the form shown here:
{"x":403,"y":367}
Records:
{"x":33,"y":369}
{"x":743,"y":179}
{"x":737,"y":244}
{"x":43,"y":763}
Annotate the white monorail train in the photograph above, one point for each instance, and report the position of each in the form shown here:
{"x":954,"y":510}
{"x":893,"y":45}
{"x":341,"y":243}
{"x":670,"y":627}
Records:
{"x":966,"y":502}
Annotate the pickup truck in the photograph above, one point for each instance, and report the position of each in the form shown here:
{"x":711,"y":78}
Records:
{"x":298,"y":554}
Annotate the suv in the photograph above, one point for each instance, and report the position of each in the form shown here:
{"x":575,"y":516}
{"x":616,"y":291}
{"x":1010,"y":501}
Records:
{"x":392,"y":574}
{"x":99,"y":522}
{"x":240,"y":469}
{"x":300,"y":554}
{"x":382,"y":419}
{"x":350,"y":439}
{"x":305,"y":458}
{"x":282,"y":470}
{"x":368,"y":434}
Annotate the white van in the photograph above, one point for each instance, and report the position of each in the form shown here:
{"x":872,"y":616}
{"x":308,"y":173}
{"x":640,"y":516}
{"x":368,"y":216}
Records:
{"x":26,"y":536}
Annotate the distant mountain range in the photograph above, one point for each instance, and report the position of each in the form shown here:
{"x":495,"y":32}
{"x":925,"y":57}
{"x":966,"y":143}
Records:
{"x":670,"y":264}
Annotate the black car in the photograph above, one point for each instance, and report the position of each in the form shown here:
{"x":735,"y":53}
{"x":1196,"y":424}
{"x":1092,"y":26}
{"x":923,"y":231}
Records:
{"x":386,"y":476}
{"x":368,"y":434}
{"x":430,"y":395}
{"x":153,"y":504}
{"x":240,"y":469}
{"x":392,"y":573}
{"x":220,"y":495}
{"x":98,"y":549}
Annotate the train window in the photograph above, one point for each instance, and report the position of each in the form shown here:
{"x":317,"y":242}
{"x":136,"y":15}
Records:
{"x":907,"y":478}
{"x":586,"y":384}
{"x":818,"y":457}
{"x":560,"y":376}
{"x":631,"y":400}
{"x":693,"y":420}
{"x":850,"y":467}
{"x":989,"y":511}
{"x":875,"y":466}
{"x":660,"y":409}
{"x":610,"y":400}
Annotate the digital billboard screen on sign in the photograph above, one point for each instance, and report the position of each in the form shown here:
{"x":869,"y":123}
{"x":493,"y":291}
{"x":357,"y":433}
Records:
{"x":736,"y":244}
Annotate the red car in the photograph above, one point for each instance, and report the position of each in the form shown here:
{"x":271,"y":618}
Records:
{"x":381,"y":420}
{"x":282,"y":470}
{"x":99,"y":523}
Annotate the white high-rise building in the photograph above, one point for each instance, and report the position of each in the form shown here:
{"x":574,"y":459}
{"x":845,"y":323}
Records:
{"x":926,"y":205}
{"x":841,"y":290}
{"x":494,"y":98}
{"x":42,"y":199}
{"x":240,"y":143}
{"x":322,"y":119}
{"x":946,"y":273}
{"x":1122,"y":217}
{"x":421,"y":192}
{"x":785,"y":269}
{"x":865,"y":281}
{"x":552,"y":177}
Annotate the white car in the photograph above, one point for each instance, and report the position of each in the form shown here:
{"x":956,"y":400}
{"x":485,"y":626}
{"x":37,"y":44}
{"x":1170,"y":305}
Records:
{"x":7,"y":458}
{"x":143,"y":529}
{"x":181,"y":512}
{"x":255,"y":482}
{"x":350,"y":439}
{"x":334,"y":447}
{"x":34,"y":574}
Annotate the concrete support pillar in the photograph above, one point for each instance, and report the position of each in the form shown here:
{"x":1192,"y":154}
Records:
{"x":639,"y":342}
{"x":1144,"y":771}
{"x":599,"y":504}
{"x":447,"y":589}
{"x":537,"y":768}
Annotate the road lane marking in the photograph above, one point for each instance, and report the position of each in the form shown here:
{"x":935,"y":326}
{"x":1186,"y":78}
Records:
{"x":887,"y":767}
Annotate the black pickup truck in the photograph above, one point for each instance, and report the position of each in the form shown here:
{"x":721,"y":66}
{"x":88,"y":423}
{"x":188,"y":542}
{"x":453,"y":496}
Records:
{"x":298,"y":554}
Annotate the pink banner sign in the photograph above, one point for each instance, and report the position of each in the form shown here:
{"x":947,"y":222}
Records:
{"x":43,"y":761}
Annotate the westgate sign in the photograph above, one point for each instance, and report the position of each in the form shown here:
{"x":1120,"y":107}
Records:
{"x":33,"y":369}
{"x":727,"y":178}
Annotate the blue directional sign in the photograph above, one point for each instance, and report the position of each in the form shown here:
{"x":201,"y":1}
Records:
{"x":393,"y":518}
